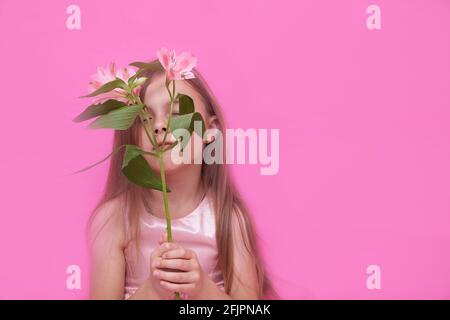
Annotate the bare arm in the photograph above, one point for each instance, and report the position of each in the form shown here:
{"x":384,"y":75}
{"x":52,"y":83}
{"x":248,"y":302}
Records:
{"x":245,"y":283}
{"x":107,"y":242}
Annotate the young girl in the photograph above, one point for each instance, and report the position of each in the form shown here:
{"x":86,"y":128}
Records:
{"x":213,"y":255}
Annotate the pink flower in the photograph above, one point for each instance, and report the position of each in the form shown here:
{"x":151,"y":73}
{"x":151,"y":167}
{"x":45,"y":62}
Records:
{"x":108,"y":74}
{"x":177,"y":68}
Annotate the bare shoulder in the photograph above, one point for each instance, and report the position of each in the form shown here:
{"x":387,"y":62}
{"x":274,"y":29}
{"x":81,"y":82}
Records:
{"x":107,"y":226}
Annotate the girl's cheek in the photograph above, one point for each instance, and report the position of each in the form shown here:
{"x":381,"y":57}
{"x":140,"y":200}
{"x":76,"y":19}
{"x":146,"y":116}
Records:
{"x":197,"y":147}
{"x":192,"y":153}
{"x":145,"y":143}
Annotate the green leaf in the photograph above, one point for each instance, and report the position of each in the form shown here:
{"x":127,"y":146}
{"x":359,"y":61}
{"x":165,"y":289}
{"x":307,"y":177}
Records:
{"x":133,"y":151}
{"x":136,"y":80}
{"x":137,"y":170}
{"x":143,"y":67}
{"x":132,"y":79}
{"x":186,"y":104}
{"x":140,"y":81}
{"x":93,"y":165}
{"x":148,"y":66}
{"x":109,"y":86}
{"x":182,"y":121}
{"x":198,"y":117}
{"x":99,"y":109}
{"x":119,"y":119}
{"x":187,"y":122}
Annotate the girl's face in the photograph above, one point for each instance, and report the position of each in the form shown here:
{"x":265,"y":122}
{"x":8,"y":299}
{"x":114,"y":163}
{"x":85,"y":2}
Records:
{"x":157,"y":100}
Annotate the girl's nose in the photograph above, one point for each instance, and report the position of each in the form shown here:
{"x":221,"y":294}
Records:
{"x":160,"y":130}
{"x":160,"y":124}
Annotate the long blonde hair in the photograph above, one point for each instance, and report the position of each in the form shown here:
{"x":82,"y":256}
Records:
{"x":215,"y":178}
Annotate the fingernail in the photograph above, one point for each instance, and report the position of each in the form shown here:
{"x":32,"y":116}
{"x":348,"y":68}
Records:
{"x":156,"y":273}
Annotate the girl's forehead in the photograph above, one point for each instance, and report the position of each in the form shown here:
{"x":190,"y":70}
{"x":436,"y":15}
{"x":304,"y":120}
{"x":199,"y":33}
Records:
{"x":156,"y":92}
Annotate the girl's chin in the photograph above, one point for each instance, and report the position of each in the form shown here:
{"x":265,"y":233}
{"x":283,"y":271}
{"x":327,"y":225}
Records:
{"x":169,"y":164}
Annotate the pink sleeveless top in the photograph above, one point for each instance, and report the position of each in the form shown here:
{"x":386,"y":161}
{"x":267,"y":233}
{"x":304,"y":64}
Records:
{"x":195,"y":231}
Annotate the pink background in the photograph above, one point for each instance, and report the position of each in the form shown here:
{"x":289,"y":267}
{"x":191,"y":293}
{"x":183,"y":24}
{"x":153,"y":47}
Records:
{"x":364,"y":126}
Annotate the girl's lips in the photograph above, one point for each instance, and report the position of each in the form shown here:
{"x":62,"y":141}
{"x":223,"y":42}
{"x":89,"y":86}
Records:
{"x":167,"y":143}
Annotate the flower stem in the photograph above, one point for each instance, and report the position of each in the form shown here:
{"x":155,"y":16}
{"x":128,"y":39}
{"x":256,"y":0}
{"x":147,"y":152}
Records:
{"x":160,"y":153}
{"x":165,"y":198}
{"x":143,"y":115}
{"x":172,"y":99}
{"x":166,"y":203}
{"x":152,"y":141}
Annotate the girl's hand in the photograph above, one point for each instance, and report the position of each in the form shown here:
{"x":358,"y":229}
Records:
{"x":154,"y":282}
{"x":185,"y":276}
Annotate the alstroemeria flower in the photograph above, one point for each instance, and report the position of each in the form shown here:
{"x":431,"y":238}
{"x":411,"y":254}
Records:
{"x":177,"y":67}
{"x":108,"y":74}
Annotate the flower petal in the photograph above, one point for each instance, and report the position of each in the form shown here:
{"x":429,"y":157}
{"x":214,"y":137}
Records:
{"x":163,"y":55}
{"x":185,"y":62}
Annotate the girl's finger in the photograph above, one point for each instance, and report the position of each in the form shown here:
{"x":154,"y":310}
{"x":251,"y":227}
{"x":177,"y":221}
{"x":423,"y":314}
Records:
{"x":177,"y":287}
{"x":166,"y":246}
{"x":183,"y":295}
{"x":176,"y":277}
{"x":170,"y":245}
{"x":178,"y":253}
{"x":179,"y":264}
